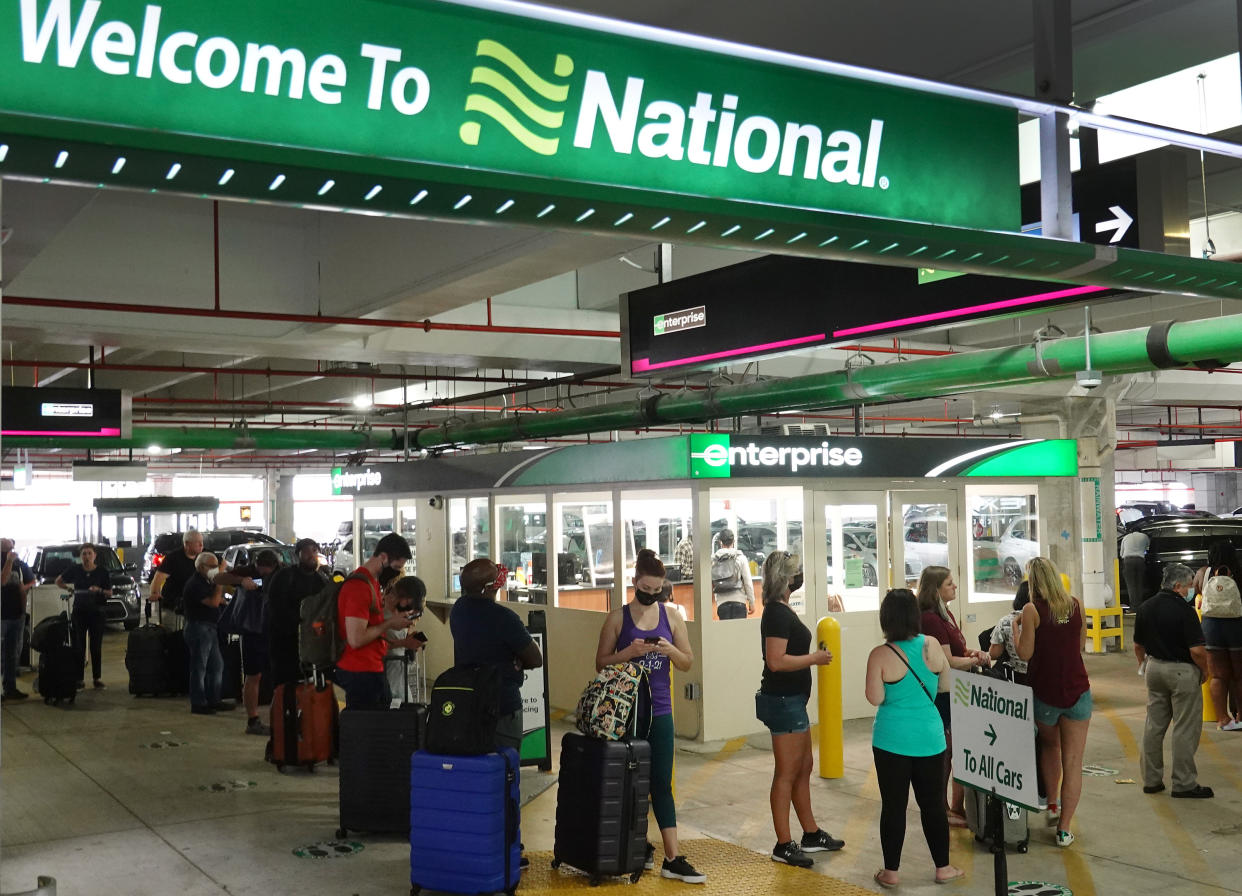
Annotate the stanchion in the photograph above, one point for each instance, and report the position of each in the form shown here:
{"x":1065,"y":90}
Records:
{"x":996,"y":831}
{"x":831,"y":725}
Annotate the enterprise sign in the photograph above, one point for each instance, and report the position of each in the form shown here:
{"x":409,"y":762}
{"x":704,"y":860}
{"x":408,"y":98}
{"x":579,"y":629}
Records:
{"x":350,"y":481}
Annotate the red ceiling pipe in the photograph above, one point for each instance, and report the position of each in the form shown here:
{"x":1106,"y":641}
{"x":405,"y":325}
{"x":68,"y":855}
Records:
{"x":384,"y":323}
{"x":894,"y":350}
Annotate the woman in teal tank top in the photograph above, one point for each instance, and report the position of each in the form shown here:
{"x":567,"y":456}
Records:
{"x":903,"y":676}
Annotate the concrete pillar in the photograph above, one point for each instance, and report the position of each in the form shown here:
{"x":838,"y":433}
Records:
{"x":278,"y":492}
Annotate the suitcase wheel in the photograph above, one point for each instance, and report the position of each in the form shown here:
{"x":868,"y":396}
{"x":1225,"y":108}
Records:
{"x":635,"y":876}
{"x":595,"y":878}
{"x":341,"y":833}
{"x":415,"y":889}
{"x":1022,"y":847}
{"x":47,"y":701}
{"x":978,"y":838}
{"x":280,"y":767}
{"x":556,"y":863}
{"x":310,"y":767}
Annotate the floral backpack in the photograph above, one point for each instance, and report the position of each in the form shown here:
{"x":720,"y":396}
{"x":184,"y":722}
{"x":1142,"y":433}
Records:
{"x":617,"y":703}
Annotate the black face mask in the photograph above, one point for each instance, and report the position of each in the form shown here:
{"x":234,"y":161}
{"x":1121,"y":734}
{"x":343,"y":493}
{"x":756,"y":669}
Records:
{"x":646,"y":598}
{"x":795,"y":583}
{"x":388,"y":574}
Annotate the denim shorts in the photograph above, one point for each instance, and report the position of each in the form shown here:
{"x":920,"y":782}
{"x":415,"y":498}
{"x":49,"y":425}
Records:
{"x":1222,"y":634}
{"x":782,"y":714}
{"x":1047,"y":714}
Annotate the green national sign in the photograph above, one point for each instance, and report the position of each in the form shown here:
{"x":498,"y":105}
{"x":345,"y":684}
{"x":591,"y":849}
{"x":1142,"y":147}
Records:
{"x":491,"y":96}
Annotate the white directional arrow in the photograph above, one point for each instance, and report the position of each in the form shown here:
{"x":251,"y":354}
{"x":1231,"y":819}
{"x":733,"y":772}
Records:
{"x":1121,"y":223}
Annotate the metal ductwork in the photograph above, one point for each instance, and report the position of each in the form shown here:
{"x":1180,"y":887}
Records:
{"x":1128,"y":351}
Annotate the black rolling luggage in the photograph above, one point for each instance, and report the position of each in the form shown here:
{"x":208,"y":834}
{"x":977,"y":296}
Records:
{"x":59,"y":668}
{"x":601,"y":806}
{"x":376,"y":746}
{"x":145,"y":661}
{"x":176,"y":663}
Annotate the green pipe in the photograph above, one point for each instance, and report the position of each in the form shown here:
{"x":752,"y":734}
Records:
{"x":1123,"y":352}
{"x":225,"y":438}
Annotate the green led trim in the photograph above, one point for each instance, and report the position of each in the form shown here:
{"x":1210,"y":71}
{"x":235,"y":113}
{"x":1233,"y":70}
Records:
{"x":1054,"y":457}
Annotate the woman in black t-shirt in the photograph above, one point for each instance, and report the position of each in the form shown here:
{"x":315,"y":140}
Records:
{"x":91,"y":586}
{"x":781,"y":705}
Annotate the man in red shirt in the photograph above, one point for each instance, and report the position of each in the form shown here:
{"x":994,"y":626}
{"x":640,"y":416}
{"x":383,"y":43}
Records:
{"x":360,"y":618}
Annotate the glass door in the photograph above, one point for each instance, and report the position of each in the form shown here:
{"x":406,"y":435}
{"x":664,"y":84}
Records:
{"x":855,"y":551}
{"x":923,"y":531}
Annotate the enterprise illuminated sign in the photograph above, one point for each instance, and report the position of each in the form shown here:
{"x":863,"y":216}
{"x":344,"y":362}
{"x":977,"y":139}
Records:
{"x":349,"y":481}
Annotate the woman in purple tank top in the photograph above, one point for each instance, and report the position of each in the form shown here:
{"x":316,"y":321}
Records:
{"x":1050,"y":635}
{"x":646,"y":633}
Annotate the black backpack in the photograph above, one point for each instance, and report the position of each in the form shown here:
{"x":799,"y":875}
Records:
{"x":465,"y":707}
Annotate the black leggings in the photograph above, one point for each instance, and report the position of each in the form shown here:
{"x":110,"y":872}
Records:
{"x":896,"y":774}
{"x":89,"y":621}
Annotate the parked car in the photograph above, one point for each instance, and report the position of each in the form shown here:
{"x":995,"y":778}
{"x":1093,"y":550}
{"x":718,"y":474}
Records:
{"x":214,"y":540}
{"x":49,"y":561}
{"x":857,"y":542}
{"x":1018,"y":546}
{"x":1130,"y":511}
{"x":1179,"y":539}
{"x":244,"y":554}
{"x":344,"y":558}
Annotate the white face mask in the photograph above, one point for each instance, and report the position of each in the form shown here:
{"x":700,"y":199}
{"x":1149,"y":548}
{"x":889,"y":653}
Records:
{"x":211,"y":573}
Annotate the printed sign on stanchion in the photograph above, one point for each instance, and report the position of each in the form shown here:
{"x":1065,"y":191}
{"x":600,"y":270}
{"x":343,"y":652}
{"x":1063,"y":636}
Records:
{"x":536,"y":733}
{"x":994,"y":738}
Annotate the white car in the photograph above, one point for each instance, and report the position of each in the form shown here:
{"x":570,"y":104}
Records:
{"x":1018,"y":546}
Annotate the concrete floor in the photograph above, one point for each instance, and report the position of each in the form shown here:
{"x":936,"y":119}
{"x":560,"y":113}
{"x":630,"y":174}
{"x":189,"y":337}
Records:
{"x":126,"y":796}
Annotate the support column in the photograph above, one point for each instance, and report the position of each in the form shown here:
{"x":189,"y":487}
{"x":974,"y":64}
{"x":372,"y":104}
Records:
{"x":278,"y":488}
{"x":1054,"y":82}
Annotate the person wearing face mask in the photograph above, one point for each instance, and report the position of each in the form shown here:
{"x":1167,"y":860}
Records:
{"x":1169,"y":639}
{"x":645,"y":633}
{"x":201,"y":600}
{"x":361,"y":622}
{"x":780,"y":704}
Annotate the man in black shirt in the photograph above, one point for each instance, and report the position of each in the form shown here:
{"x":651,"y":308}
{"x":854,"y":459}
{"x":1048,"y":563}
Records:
{"x":284,"y":599}
{"x":178,"y":568}
{"x":1168,"y":641}
{"x":16,"y":580}
{"x":201,"y":602}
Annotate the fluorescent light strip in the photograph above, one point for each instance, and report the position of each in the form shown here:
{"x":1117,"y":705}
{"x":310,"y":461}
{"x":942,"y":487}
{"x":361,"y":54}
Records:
{"x":829,"y":241}
{"x":890,"y":247}
{"x":586,"y":214}
{"x":546,"y":210}
{"x":641,"y":364}
{"x":697,"y":226}
{"x":276,"y":182}
{"x":173,"y":171}
{"x":790,"y":242}
{"x":767,"y":233}
{"x":732,"y":230}
{"x":225,"y":177}
{"x":462,"y":202}
{"x":658,"y":224}
{"x":4,"y":151}
{"x":954,"y":313}
{"x":372,"y":193}
{"x":505,"y":206}
{"x":327,"y":185}
{"x":859,"y":244}
{"x":418,"y":197}
{"x":62,"y":158}
{"x":118,"y":164}
{"x":621,"y":220}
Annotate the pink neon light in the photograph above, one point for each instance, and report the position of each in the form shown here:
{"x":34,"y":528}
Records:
{"x":973,"y":309}
{"x":641,"y":364}
{"x":51,"y":432}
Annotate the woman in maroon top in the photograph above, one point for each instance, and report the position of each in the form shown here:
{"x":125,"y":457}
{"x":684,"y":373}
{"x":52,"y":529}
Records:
{"x":936,"y":590}
{"x":1051,"y":634}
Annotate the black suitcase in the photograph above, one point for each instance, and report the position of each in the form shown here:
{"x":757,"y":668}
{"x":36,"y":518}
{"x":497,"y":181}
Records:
{"x":145,"y":661}
{"x":376,"y":746}
{"x":601,"y":806}
{"x":231,"y":683}
{"x":59,"y":666}
{"x":176,"y":663}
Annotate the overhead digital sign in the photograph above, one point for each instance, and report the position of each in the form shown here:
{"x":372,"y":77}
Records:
{"x":780,"y":303}
{"x":50,"y":412}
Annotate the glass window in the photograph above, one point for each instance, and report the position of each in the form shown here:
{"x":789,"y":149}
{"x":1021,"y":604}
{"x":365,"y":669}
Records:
{"x":661,"y":520}
{"x":522,"y":537}
{"x":925,"y":538}
{"x":407,"y":519}
{"x":762,"y":520}
{"x":1004,"y":537}
{"x":583,"y":576}
{"x":469,"y":534}
{"x":852,"y":556}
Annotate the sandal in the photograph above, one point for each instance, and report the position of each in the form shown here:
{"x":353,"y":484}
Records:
{"x":957,"y":874}
{"x":883,"y":883}
{"x":957,"y":820}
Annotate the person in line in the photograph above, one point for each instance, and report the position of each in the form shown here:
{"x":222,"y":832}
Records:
{"x":1051,"y":636}
{"x":1167,"y":635}
{"x":683,"y":556}
{"x":16,"y":580}
{"x":254,"y":636}
{"x":361,"y":624}
{"x":168,"y":584}
{"x":1223,"y":637}
{"x":200,"y":602}
{"x":1002,"y":644}
{"x":644,"y":632}
{"x":1132,"y":549}
{"x":907,"y":737}
{"x":289,"y":587}
{"x":91,"y":587}
{"x":936,"y":591}
{"x":733,"y":595}
{"x":785,"y":645}
{"x":403,"y":598}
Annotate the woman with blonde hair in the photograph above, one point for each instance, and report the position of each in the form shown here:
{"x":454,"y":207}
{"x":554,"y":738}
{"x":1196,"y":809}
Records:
{"x":781,"y":705}
{"x":936,"y":590}
{"x":1051,"y":635}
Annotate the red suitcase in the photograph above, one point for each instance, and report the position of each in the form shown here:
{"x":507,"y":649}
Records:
{"x":304,"y":725}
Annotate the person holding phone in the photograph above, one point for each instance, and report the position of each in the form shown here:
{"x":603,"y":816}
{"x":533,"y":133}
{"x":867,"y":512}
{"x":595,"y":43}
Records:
{"x":645,"y":633}
{"x":403,"y":598}
{"x":780,"y":704}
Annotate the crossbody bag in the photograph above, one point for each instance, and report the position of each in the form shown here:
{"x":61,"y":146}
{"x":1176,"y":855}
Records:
{"x":901,"y":656}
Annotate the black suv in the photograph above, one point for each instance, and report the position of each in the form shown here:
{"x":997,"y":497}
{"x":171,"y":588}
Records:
{"x":214,"y":540}
{"x":1180,"y":539}
{"x":49,"y":561}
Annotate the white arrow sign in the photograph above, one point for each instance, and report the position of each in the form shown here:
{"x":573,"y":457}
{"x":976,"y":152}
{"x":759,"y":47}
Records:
{"x":1120,"y":224}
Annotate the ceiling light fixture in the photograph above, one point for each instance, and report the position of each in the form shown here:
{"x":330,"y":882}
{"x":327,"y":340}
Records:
{"x":363,"y":401}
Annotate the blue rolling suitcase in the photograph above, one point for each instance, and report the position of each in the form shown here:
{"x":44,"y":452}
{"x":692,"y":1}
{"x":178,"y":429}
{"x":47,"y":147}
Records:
{"x":464,"y":822}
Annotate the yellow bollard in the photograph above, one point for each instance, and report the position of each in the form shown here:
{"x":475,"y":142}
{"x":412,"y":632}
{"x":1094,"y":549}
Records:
{"x":1209,"y":708}
{"x":831,"y":726}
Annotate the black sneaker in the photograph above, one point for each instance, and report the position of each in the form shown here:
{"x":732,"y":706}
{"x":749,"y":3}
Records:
{"x":821,"y":841}
{"x":791,"y":854}
{"x":682,"y":870}
{"x":256,"y":726}
{"x":202,"y":710}
{"x":1199,"y":792}
{"x":649,"y":861}
{"x":223,"y":706}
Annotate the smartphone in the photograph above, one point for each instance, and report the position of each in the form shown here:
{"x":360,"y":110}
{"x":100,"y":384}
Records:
{"x":651,"y":640}
{"x":258,"y":582}
{"x":420,"y":636}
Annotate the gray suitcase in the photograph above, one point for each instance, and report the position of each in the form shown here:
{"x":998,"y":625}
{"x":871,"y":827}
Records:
{"x":1017,"y":820}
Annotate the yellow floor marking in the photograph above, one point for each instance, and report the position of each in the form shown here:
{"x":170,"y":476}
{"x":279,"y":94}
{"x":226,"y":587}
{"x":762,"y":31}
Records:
{"x":1194,"y":863}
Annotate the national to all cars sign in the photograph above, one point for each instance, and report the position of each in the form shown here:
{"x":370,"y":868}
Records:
{"x":994,"y":737}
